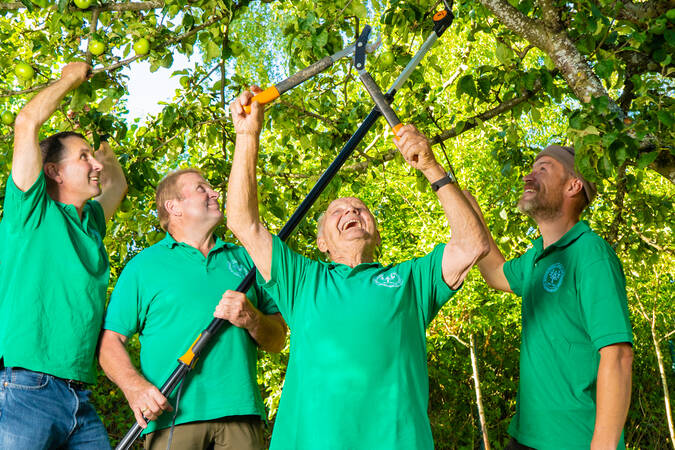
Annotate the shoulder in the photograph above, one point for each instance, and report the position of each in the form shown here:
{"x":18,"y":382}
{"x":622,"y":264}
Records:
{"x":148,"y":256}
{"x":594,"y":246}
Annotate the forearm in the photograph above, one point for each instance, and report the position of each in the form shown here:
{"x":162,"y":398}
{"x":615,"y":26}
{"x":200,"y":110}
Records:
{"x":116,"y":363}
{"x":112,"y":175}
{"x":113,"y":182}
{"x":612,"y":395}
{"x":43,"y":105}
{"x":269,"y":331}
{"x":242,"y":190}
{"x":468,"y":233}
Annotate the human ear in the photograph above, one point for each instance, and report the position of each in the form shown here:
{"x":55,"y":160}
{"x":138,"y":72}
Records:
{"x":52,"y":172}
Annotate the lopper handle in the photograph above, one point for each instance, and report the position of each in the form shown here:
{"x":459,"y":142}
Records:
{"x":264,"y":97}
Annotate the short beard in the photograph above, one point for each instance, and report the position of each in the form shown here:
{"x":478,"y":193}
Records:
{"x":540,"y":209}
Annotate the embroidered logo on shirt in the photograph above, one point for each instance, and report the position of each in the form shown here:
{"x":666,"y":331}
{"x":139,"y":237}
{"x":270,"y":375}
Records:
{"x":553,"y":277}
{"x":392,"y":280}
{"x":237,"y":269}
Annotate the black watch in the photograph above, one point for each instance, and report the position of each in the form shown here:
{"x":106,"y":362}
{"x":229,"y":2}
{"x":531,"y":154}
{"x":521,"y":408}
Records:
{"x":449,"y":178}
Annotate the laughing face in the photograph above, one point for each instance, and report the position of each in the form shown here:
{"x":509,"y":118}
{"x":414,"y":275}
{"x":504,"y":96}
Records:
{"x":347,"y":221}
{"x":543,"y":191}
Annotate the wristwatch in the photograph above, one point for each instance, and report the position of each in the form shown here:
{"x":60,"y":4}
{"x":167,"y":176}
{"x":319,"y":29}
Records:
{"x":449,"y":178}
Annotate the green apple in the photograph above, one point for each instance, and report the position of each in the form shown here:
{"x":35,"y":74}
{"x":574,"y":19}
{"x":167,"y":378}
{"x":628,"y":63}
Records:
{"x":237,"y":48}
{"x":387,"y":59}
{"x":24,"y":71}
{"x":185,"y":82}
{"x":7,"y":117}
{"x":142,"y":46}
{"x":96,"y":47}
{"x":83,"y":4}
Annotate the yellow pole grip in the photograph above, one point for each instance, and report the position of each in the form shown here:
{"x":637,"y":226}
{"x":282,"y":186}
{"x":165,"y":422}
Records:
{"x":263,"y":97}
{"x":395,"y":130}
{"x":189,"y":356}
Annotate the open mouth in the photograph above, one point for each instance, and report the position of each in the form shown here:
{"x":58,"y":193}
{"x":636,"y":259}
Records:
{"x":351,"y":224}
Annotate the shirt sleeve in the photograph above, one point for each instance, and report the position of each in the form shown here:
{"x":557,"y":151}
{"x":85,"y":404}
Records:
{"x":432,"y":292}
{"x":24,"y":210}
{"x":287,"y":279}
{"x":125,"y":313}
{"x":514,"y":271}
{"x":604,"y":303}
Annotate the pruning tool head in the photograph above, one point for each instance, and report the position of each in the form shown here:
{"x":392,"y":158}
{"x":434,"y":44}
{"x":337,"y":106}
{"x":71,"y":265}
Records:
{"x":360,"y":49}
{"x":369,"y":47}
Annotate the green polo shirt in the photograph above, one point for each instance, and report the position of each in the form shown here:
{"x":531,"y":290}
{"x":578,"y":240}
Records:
{"x":54,"y":273}
{"x":574,"y":303}
{"x":357,"y":373}
{"x":168,"y":293}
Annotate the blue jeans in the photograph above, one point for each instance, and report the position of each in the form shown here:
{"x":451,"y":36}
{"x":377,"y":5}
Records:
{"x":39,"y":411}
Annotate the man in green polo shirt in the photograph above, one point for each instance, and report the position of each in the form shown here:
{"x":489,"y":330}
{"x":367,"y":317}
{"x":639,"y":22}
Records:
{"x":54,"y":274}
{"x":576,"y":348}
{"x":357,"y":374}
{"x":166,"y":294}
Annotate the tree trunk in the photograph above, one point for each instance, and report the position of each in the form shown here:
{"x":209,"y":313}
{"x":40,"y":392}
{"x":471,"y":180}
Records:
{"x":479,"y":397}
{"x":664,"y":383}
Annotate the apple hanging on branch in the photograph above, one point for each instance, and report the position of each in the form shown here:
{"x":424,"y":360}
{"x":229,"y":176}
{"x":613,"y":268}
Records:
{"x":142,"y":46}
{"x":83,"y":4}
{"x":24,"y":71}
{"x":96,"y":47}
{"x":7,"y":117}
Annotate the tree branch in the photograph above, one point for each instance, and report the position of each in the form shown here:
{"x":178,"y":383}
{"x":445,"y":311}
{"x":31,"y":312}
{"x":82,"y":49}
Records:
{"x":132,"y":6}
{"x":120,"y":63}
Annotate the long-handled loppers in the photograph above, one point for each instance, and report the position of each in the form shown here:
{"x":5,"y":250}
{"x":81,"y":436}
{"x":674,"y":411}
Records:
{"x":442,"y":20}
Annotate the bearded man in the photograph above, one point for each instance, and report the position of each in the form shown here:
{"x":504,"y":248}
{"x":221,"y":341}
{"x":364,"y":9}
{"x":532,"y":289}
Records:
{"x":576,"y":348}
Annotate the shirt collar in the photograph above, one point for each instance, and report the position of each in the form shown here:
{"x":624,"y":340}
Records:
{"x":346,"y":271}
{"x":572,"y":235}
{"x":170,"y":242}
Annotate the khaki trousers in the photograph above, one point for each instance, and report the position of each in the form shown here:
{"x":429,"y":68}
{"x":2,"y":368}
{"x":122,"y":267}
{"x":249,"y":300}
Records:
{"x":228,"y":433}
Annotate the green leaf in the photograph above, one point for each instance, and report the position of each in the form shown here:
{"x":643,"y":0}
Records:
{"x":665,"y":117}
{"x":466,"y":85}
{"x":212,"y":50}
{"x":503,"y":53}
{"x":28,"y":4}
{"x":63,"y":6}
{"x":646,"y":159}
{"x":106,"y":104}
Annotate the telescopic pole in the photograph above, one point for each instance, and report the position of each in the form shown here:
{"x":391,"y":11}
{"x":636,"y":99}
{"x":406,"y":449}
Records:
{"x":187,"y":361}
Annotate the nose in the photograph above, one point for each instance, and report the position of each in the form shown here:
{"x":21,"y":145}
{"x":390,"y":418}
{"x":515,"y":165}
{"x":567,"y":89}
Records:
{"x":96,"y":165}
{"x":213,"y":193}
{"x":529,"y":177}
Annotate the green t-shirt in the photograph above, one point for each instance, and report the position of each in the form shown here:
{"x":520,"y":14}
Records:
{"x":574,"y":303}
{"x":357,"y":373}
{"x":54,"y":273}
{"x":167,"y":294}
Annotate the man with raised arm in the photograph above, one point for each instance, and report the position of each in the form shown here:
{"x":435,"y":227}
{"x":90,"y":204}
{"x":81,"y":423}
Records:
{"x":357,"y":375}
{"x":576,"y":348}
{"x":166,"y":294}
{"x":54,"y":274}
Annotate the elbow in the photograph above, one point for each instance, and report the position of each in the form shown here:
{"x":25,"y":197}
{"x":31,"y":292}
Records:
{"x":234,"y":223}
{"x":482,"y":247}
{"x":25,"y":124}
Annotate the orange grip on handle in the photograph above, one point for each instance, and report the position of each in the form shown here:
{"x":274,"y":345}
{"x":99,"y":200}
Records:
{"x":263,"y":97}
{"x":395,"y":130}
{"x":189,"y":356}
